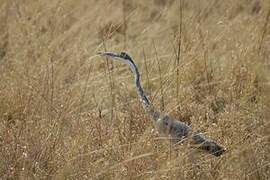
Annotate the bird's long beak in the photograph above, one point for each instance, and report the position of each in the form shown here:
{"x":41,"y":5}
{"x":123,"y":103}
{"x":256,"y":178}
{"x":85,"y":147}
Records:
{"x":110,"y":55}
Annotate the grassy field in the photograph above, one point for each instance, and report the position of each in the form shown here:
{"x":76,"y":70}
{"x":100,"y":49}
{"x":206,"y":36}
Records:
{"x":66,"y":113}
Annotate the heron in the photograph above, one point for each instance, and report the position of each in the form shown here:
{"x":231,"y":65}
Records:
{"x":165,"y":125}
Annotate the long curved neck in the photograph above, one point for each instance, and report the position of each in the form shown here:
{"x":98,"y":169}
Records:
{"x":146,"y":104}
{"x":140,"y":91}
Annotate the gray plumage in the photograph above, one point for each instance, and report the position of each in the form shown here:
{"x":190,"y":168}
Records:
{"x":164,"y":124}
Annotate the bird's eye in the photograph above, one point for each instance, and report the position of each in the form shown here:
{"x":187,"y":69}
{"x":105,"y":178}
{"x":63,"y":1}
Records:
{"x":123,"y":54}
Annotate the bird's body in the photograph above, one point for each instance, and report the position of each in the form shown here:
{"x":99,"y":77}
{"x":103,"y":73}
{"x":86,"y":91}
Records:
{"x":164,"y":124}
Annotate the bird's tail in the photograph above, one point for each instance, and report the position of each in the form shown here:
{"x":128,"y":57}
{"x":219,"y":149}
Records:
{"x":207,"y":145}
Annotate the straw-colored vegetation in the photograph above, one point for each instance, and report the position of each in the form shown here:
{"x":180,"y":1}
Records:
{"x":68,"y":114}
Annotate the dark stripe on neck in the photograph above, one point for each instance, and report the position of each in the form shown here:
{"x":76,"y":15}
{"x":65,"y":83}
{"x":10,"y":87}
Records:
{"x":140,"y":91}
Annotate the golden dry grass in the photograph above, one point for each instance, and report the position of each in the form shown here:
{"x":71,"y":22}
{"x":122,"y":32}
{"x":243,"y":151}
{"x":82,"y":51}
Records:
{"x":68,"y":114}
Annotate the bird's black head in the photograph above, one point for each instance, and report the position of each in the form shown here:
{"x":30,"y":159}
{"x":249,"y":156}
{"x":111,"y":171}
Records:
{"x":124,"y":55}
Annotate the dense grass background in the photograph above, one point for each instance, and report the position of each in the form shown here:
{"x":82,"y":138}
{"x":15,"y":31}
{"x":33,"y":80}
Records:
{"x":68,"y":114}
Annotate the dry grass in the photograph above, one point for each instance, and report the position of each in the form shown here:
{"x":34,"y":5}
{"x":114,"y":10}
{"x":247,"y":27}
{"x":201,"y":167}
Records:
{"x":68,"y":114}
